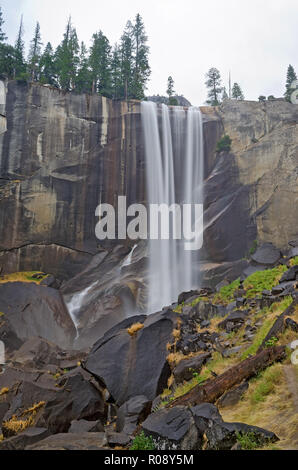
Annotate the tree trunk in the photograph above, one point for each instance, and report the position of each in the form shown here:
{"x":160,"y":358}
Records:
{"x":214,"y":389}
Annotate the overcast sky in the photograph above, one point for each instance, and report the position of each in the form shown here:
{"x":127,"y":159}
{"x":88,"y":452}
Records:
{"x":255,"y":39}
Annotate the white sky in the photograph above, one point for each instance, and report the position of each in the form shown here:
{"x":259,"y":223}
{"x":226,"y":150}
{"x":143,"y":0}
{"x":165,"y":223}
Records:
{"x":255,"y":39}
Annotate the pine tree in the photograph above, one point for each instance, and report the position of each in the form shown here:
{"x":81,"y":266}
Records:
{"x":116,"y":80}
{"x":83,"y":79}
{"x":213,"y":83}
{"x":225,"y":95}
{"x":35,"y":54}
{"x":20,"y":66}
{"x":141,"y":64}
{"x":7,"y":61}
{"x":7,"y":54}
{"x":237,"y":93}
{"x":67,"y":58}
{"x":47,"y":68}
{"x":291,"y":77}
{"x":127,"y":61}
{"x":100,"y":62}
{"x":2,"y":34}
{"x":170,"y":92}
{"x":170,"y":88}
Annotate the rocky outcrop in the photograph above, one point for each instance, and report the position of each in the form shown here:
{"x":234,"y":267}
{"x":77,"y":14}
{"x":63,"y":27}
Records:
{"x":202,"y":426}
{"x":32,"y":310}
{"x":265,"y":148}
{"x":62,"y":155}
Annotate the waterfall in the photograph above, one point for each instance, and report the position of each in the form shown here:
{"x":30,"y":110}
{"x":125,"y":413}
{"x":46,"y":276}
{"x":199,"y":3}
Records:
{"x":173,"y":140}
{"x":75,"y":303}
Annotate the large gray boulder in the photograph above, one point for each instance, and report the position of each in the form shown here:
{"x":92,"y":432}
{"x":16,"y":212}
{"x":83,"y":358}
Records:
{"x":266,"y":255}
{"x":186,"y":368}
{"x":34,"y":310}
{"x":172,"y":429}
{"x":131,"y":364}
{"x":75,"y":397}
{"x":131,"y":413}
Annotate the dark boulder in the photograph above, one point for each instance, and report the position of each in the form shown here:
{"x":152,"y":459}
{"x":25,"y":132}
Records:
{"x":134,"y":362}
{"x":232,"y":351}
{"x":184,"y":370}
{"x":8,"y":335}
{"x":82,"y":425}
{"x":232,"y":397}
{"x":223,"y":436}
{"x":37,"y":352}
{"x":28,"y":437}
{"x":132,"y":413}
{"x":172,"y":429}
{"x":204,"y":311}
{"x":266,"y":255}
{"x":79,"y":399}
{"x":75,"y":397}
{"x":50,"y":281}
{"x":118,"y":439}
{"x":205,"y":415}
{"x":290,"y":323}
{"x":33,"y":310}
{"x":290,"y":275}
{"x":185,"y":296}
{"x":284,"y":288}
{"x":233,"y":321}
{"x":240,"y":301}
{"x":71,"y":441}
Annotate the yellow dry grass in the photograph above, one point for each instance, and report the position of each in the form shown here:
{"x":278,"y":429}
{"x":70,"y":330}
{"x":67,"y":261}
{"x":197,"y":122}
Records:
{"x":16,"y":424}
{"x":132,"y":331}
{"x":273,"y":410}
{"x":4,"y":390}
{"x":25,"y":276}
{"x":34,"y":408}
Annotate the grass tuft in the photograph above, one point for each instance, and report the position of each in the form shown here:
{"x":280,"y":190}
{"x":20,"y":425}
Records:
{"x":226,"y":293}
{"x":26,"y":276}
{"x":132,"y":331}
{"x":259,"y":281}
{"x":142,"y":442}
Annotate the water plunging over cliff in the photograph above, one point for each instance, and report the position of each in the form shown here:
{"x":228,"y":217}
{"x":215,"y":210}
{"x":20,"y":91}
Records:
{"x":174,"y":171}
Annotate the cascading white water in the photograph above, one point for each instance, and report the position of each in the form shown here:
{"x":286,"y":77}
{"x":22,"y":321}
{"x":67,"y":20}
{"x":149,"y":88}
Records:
{"x":174,"y":170}
{"x":74,"y":304}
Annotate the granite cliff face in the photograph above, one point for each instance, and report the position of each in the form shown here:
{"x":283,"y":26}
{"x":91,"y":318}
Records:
{"x":251,"y":193}
{"x":62,"y":154}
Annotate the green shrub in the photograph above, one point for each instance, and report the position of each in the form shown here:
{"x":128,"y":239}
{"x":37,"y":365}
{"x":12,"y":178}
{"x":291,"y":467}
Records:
{"x":224,"y":144}
{"x":248,"y":441}
{"x":142,"y":442}
{"x":271,"y":342}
